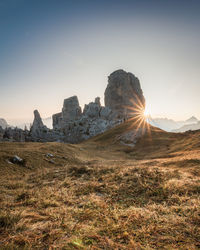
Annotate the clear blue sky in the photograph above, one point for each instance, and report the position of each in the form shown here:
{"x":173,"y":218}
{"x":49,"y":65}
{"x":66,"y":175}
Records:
{"x":53,"y":49}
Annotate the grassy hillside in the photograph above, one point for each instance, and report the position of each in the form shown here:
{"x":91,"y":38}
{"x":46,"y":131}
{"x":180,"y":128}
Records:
{"x":101,"y":194}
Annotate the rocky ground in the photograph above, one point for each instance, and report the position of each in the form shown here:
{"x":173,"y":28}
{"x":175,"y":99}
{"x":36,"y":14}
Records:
{"x":102,"y":194}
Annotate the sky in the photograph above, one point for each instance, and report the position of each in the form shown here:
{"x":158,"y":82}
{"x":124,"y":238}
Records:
{"x":53,"y":49}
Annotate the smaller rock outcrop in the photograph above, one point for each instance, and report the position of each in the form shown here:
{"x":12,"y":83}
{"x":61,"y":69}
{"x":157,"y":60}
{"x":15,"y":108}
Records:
{"x":3,"y":123}
{"x":14,"y":134}
{"x":38,"y":128}
{"x":78,"y":126}
{"x":39,"y":132}
{"x":92,"y":110}
{"x":71,"y":110}
{"x":97,"y":101}
{"x":37,"y":122}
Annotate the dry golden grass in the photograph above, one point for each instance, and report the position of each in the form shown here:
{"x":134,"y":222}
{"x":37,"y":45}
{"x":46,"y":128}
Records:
{"x":102,"y":195}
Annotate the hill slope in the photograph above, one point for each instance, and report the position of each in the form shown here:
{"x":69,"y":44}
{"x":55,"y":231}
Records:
{"x":102,"y":194}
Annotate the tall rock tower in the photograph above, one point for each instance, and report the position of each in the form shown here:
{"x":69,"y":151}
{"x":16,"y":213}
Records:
{"x":124,"y":95}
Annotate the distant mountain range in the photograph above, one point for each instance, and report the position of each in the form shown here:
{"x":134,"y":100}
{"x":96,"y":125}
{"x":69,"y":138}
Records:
{"x":175,"y":126}
{"x":193,"y":126}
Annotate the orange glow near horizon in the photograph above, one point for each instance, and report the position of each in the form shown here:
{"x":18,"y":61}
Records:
{"x":139,"y":116}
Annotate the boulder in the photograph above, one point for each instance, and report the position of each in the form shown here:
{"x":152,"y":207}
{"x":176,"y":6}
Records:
{"x":17,"y":160}
{"x":124,"y":95}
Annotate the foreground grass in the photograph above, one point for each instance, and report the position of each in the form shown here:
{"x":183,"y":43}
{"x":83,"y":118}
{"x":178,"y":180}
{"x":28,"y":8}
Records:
{"x":90,"y":197}
{"x":101,"y":205}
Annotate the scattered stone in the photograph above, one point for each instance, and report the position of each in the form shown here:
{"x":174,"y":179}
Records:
{"x":49,"y":155}
{"x":9,"y":162}
{"x":17,"y":160}
{"x":50,"y":161}
{"x":100,"y":194}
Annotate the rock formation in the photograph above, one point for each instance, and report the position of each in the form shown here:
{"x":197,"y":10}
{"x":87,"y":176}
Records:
{"x":92,"y":110}
{"x":71,"y":110}
{"x":123,"y":94}
{"x":38,"y":128}
{"x":37,"y":122}
{"x":3,"y":123}
{"x":14,"y":134}
{"x":123,"y":99}
{"x":39,"y":132}
{"x":78,"y":126}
